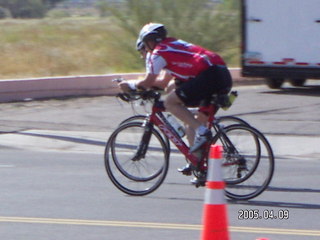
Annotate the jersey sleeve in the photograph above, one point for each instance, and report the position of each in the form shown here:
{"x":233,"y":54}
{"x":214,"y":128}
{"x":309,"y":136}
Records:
{"x":155,"y":63}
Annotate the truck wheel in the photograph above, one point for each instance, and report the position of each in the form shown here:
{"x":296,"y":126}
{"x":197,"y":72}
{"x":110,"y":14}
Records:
{"x":274,"y":83}
{"x":297,"y":82}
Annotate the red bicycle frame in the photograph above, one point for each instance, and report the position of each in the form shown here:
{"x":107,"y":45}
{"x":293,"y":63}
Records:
{"x":158,"y":119}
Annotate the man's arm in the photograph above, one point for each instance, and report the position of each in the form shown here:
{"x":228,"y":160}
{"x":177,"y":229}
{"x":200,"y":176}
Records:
{"x":154,"y":65}
{"x":146,"y":83}
{"x":164,"y":81}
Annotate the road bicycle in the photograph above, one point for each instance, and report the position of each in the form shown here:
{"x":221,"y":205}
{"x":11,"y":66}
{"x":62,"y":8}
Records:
{"x":137,"y":153}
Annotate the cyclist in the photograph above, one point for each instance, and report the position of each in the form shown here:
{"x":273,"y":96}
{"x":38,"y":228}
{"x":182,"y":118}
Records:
{"x":200,"y":74}
{"x":166,"y":82}
{"x":169,"y":85}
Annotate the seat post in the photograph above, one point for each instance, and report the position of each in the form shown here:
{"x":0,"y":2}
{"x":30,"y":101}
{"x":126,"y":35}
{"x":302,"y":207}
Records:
{"x":210,"y":111}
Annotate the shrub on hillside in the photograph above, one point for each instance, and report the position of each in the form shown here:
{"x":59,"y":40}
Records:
{"x":204,"y":22}
{"x":28,"y":8}
{"x":4,"y":13}
{"x":58,"y":13}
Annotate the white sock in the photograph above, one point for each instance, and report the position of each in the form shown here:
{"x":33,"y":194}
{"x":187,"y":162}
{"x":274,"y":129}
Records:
{"x":201,"y":130}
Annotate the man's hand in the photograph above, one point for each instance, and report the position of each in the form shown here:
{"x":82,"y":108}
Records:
{"x":127,"y":86}
{"x":148,"y":82}
{"x":124,"y":86}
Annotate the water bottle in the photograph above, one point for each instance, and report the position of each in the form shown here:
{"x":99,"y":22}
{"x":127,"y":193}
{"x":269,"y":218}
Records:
{"x":232,"y":96}
{"x":176,"y":125}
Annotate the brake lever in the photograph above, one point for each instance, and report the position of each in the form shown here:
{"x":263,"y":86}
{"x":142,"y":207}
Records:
{"x":118,"y":80}
{"x":124,"y":97}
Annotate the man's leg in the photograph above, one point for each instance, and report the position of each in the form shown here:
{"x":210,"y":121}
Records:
{"x":174,"y":105}
{"x":202,"y":118}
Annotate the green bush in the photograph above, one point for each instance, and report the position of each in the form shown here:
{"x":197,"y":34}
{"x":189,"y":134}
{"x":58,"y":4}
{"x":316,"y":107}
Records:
{"x":4,"y":13}
{"x":28,"y":8}
{"x":58,"y":13}
{"x":203,"y":22}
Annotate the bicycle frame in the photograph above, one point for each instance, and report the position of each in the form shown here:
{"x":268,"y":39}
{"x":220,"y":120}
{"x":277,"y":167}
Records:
{"x":157,"y":118}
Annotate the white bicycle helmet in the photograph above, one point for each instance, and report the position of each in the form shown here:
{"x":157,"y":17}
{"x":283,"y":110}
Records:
{"x":152,"y":31}
{"x":139,"y":45}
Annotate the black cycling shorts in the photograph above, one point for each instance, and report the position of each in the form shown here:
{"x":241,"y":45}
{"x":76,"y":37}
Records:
{"x":215,"y":80}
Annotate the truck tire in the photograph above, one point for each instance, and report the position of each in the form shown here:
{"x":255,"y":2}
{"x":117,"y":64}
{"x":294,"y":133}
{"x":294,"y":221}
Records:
{"x":297,"y":82}
{"x":274,"y":83}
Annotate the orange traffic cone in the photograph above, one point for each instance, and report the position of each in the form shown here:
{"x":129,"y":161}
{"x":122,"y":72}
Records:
{"x":215,"y":223}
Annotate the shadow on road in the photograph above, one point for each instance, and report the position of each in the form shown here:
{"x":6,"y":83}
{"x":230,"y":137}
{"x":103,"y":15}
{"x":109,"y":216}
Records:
{"x":285,"y":189}
{"x":312,"y":90}
{"x":251,"y":203}
{"x":276,"y":204}
{"x":65,"y":138}
{"x":260,"y":203}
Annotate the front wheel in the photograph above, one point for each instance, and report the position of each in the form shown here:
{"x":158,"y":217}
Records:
{"x":131,"y":171}
{"x":230,"y":120}
{"x":248,"y":161}
{"x":142,"y":118}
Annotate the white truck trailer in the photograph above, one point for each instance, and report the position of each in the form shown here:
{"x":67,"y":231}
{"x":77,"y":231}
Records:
{"x":281,"y":40}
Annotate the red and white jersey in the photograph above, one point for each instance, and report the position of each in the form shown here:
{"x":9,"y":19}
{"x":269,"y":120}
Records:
{"x":182,"y":59}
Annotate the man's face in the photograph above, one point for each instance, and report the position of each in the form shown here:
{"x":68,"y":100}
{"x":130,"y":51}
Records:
{"x":150,"y":45}
{"x":143,"y":53}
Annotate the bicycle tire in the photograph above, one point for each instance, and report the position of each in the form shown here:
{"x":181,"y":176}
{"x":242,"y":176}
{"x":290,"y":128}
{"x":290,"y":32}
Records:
{"x":230,"y":120}
{"x":131,"y":176}
{"x":134,"y":118}
{"x":245,"y":181}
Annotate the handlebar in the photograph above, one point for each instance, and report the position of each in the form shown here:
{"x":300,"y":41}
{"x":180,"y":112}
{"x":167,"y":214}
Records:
{"x":140,"y":94}
{"x":153,"y":94}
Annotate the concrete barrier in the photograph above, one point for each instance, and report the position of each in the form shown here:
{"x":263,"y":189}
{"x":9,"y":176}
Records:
{"x":51,"y":87}
{"x":37,"y":88}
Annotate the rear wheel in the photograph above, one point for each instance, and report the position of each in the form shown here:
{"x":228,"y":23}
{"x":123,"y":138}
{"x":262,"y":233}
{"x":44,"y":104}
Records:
{"x":130,"y":171}
{"x":248,"y":161}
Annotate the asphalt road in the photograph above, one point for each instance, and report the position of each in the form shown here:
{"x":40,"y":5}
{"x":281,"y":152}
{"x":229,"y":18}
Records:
{"x":54,"y":185}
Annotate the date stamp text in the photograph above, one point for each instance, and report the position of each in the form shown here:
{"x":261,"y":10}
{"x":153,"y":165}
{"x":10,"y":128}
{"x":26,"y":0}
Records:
{"x":267,"y":214}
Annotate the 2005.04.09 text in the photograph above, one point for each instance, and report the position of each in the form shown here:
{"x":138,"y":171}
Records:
{"x":256,"y":214}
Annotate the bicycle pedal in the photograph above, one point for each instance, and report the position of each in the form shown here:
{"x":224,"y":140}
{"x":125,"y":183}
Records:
{"x":187,"y":173}
{"x":187,"y":170}
{"x":198,"y":182}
